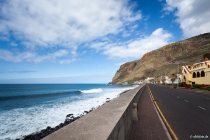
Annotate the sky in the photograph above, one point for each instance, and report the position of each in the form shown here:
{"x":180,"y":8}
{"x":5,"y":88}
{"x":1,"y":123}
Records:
{"x":77,"y":41}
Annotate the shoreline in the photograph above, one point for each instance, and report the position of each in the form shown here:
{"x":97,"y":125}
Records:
{"x":49,"y":130}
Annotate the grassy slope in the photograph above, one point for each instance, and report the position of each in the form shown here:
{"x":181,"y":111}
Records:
{"x":160,"y":61}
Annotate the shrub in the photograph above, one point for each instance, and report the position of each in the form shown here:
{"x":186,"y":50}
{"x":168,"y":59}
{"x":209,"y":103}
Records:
{"x":196,"y":86}
{"x":207,"y":88}
{"x":181,"y":85}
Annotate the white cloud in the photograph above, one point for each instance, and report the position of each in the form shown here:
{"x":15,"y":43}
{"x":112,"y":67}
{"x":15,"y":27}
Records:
{"x":67,"y":61}
{"x":98,"y":45}
{"x":13,"y":44}
{"x":119,"y":64}
{"x":30,"y":56}
{"x":64,"y":22}
{"x":136,"y":48}
{"x":51,"y":56}
{"x":193,"y":15}
{"x":168,"y":8}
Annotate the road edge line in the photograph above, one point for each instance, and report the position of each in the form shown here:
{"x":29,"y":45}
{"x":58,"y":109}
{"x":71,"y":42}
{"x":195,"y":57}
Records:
{"x":163,"y":117}
{"x":164,"y":126}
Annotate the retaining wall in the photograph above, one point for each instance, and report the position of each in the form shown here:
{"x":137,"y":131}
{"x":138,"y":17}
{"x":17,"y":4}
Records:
{"x":111,"y":121}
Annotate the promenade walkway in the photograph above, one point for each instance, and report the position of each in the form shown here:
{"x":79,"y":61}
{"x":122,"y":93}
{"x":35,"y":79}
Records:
{"x":148,"y":126}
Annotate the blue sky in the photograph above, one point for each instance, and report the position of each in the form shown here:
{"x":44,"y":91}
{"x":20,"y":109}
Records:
{"x":68,"y":41}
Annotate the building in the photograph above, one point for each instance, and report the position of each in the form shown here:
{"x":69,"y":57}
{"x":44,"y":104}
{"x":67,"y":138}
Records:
{"x":198,"y":73}
{"x":125,"y":83}
{"x":149,"y":80}
{"x":176,"y":81}
{"x":138,"y":82}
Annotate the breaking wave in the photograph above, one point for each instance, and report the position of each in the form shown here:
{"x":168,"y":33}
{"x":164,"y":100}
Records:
{"x":95,"y":90}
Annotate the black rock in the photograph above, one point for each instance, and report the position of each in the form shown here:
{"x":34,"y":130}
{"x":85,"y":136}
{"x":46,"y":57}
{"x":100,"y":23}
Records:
{"x":42,"y":131}
{"x":76,"y":118}
{"x":48,"y":128}
{"x":69,"y":115}
{"x":57,"y":127}
{"x":86,"y":112}
{"x":61,"y":124}
{"x":27,"y":137}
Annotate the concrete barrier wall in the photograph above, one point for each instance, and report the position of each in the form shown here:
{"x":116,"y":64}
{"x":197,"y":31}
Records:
{"x":111,"y":121}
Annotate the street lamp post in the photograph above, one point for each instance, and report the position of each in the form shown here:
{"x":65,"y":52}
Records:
{"x":178,"y":73}
{"x":178,"y":77}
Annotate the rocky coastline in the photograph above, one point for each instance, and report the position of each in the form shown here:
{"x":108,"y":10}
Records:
{"x":44,"y":132}
{"x":69,"y":119}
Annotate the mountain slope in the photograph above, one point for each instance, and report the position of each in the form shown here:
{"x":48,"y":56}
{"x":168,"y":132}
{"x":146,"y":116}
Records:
{"x":165,"y":60}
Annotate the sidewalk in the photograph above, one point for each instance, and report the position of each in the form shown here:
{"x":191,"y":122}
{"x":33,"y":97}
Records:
{"x":148,"y":126}
{"x":197,"y":90}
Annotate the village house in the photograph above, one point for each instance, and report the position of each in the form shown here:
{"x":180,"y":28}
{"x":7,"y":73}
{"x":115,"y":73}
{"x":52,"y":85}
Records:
{"x":198,"y":73}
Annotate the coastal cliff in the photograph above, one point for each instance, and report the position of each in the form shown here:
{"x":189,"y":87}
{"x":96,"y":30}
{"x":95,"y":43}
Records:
{"x":165,"y":60}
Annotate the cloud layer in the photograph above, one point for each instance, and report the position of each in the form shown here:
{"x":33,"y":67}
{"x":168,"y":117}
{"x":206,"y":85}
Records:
{"x":135,"y":48}
{"x":63,"y":25}
{"x":193,"y":15}
{"x":59,"y":27}
{"x":65,"y":22}
{"x":33,"y":57}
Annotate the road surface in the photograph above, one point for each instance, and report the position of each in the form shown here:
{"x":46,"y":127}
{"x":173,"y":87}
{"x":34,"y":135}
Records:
{"x":187,"y":112}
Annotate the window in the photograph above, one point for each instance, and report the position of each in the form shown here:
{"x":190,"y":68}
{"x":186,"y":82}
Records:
{"x":194,"y":75}
{"x":198,"y":74}
{"x":202,"y":74}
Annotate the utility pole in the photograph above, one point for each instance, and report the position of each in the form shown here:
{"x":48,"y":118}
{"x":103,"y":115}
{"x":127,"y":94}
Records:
{"x":165,"y":77}
{"x":178,"y":76}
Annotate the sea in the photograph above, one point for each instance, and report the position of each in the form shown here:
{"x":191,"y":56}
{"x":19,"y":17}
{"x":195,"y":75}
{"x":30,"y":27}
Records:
{"x":29,"y":108}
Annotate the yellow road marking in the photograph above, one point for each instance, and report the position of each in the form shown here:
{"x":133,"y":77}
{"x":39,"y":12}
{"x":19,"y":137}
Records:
{"x":163,"y":117}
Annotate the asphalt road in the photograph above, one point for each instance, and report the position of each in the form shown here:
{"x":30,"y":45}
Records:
{"x":187,"y":112}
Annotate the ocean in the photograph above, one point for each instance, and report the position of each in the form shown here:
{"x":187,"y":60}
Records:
{"x":29,"y":108}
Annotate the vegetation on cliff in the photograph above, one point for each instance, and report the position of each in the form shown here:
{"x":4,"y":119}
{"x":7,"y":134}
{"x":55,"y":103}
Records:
{"x":165,"y":60}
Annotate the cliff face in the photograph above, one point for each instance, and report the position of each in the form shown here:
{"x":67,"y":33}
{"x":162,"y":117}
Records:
{"x":165,"y":60}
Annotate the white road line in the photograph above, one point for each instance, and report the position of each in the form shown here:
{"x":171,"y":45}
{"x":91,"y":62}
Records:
{"x":201,"y":107}
{"x":186,"y":100}
{"x":177,"y":96}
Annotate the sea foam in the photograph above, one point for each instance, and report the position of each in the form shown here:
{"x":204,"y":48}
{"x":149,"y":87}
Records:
{"x":18,"y":122}
{"x":98,"y":90}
